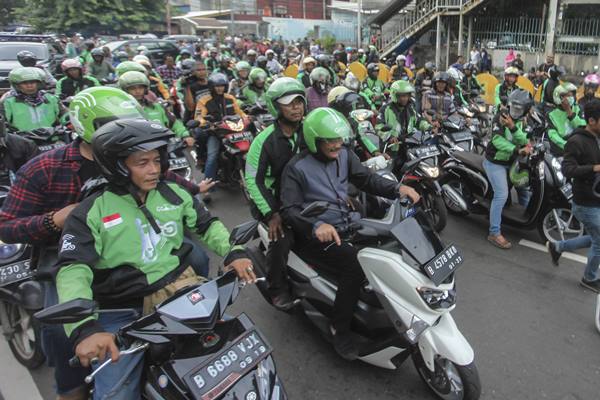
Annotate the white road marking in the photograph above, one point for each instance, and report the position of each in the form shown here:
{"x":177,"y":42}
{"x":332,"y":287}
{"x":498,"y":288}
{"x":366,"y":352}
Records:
{"x":542,"y":248}
{"x":16,"y":382}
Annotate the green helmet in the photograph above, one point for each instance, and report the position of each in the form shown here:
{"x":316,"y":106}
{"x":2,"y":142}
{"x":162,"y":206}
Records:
{"x":570,"y":87}
{"x":127,"y":66}
{"x":257,"y":74}
{"x":400,"y":87}
{"x":324,"y":123}
{"x":240,"y":65}
{"x":280,"y":88}
{"x":319,"y":74}
{"x":133,"y":78}
{"x":93,"y":107}
{"x":519,"y":177}
{"x":559,"y":91}
{"x":25,"y":74}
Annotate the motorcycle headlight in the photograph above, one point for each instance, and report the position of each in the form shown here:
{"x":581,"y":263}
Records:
{"x":8,"y":251}
{"x":482,"y":108}
{"x":438,"y":298}
{"x":558,"y":170}
{"x":431,"y":172}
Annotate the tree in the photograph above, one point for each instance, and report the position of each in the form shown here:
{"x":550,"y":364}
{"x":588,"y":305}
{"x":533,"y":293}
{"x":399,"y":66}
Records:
{"x":7,"y":8}
{"x":98,"y":15}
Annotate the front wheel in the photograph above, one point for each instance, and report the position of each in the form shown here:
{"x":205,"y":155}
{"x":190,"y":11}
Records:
{"x":449,"y":381}
{"x":435,"y":207}
{"x":559,"y":224}
{"x":24,"y":341}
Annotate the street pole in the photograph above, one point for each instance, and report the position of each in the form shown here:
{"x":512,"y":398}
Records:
{"x":551,"y":30}
{"x":460,"y":31}
{"x":168,"y":10}
{"x":438,"y":42}
{"x":448,"y":43}
{"x":359,"y":29}
{"x":231,"y":17}
{"x":304,"y":9}
{"x":470,"y":36}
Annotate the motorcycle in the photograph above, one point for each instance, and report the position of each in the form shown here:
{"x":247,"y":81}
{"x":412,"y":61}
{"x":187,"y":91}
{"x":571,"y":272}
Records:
{"x":548,"y":210}
{"x":48,"y":138}
{"x":404,"y":309}
{"x":261,"y":118}
{"x":192,"y":349}
{"x":179,"y":159}
{"x":481,"y":112}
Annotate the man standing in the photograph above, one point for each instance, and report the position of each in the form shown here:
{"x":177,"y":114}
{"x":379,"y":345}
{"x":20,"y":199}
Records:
{"x":169,"y":72}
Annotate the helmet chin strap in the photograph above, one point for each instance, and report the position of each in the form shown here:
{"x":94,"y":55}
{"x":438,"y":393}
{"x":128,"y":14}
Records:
{"x":134,"y":192}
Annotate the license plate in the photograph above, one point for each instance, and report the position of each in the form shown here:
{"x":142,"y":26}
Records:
{"x":237,"y":137}
{"x":228,"y":366}
{"x":15,"y":272}
{"x":426,"y":151}
{"x":444,"y":264}
{"x":48,"y":147}
{"x":461,"y":136}
{"x":567,"y":191}
{"x":178,"y":162}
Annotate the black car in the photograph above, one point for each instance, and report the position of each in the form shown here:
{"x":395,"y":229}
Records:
{"x":49,"y":54}
{"x":158,"y":48}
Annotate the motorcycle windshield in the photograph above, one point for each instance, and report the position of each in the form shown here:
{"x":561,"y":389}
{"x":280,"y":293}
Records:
{"x":417,"y":238}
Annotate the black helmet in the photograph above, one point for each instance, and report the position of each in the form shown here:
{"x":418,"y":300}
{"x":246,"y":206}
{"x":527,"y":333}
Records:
{"x":217,"y":79}
{"x":556,"y":71}
{"x":324,"y":60}
{"x":429,"y":66}
{"x":440,"y":77}
{"x":113,"y":142}
{"x":26,"y":58}
{"x":519,"y":103}
{"x":347,"y":102}
{"x":372,"y":67}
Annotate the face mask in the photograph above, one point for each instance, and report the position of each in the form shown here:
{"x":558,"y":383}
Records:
{"x":571,"y":101}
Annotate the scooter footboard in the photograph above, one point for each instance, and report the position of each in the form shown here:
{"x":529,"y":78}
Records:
{"x":446,"y":340}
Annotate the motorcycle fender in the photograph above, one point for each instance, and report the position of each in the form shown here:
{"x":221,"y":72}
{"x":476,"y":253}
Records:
{"x":452,"y":195}
{"x":446,"y":340}
{"x":475,"y":177}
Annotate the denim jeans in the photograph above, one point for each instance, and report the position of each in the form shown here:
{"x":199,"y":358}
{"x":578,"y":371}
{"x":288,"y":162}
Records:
{"x":209,"y":146}
{"x":120,"y":380}
{"x":497,"y":174}
{"x":197,"y":258}
{"x":590,"y":218}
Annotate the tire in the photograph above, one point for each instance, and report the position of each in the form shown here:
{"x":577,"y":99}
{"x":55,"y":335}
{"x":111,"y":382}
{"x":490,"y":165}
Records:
{"x":25,"y":342}
{"x":465,"y":378}
{"x":436,"y":209}
{"x":558,"y":224}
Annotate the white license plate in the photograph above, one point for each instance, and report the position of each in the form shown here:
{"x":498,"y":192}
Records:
{"x":15,"y":272}
{"x":444,"y":264}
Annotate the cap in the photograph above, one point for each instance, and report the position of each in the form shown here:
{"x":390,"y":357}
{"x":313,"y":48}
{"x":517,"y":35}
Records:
{"x":285,"y":100}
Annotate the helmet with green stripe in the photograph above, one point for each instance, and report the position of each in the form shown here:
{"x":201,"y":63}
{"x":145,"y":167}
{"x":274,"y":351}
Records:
{"x":400,"y":87}
{"x":324,"y":124}
{"x":283,"y":90}
{"x":256,"y":75}
{"x":127,"y":66}
{"x":133,"y":78}
{"x":93,"y":107}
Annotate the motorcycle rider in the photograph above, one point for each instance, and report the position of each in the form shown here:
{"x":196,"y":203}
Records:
{"x":27,"y":107}
{"x":339,"y":64}
{"x":563,"y":120}
{"x":269,"y":153}
{"x":254,"y":91}
{"x":74,"y":80}
{"x":45,"y":191}
{"x":215,"y":106}
{"x":324,"y":61}
{"x":261,"y":62}
{"x":192,"y":85}
{"x":308,"y":64}
{"x":156,"y":84}
{"x":352,"y":83}
{"x":399,"y":113}
{"x":224,"y":67}
{"x":469,"y":82}
{"x":119,"y":57}
{"x":138,"y":85}
{"x":454,"y":87}
{"x":251,"y":57}
{"x":99,"y":68}
{"x":98,"y":262}
{"x":212,"y":62}
{"x":399,"y":70}
{"x":373,"y":87}
{"x":316,"y":94}
{"x":590,"y":87}
{"x":86,"y":55}
{"x":508,"y":141}
{"x":273,"y":65}
{"x":554,"y":74}
{"x":27,"y":59}
{"x":438,"y":100}
{"x":184,"y":54}
{"x":322,"y":173}
{"x":242,"y":71}
{"x":423,"y":82}
{"x":511,"y":74}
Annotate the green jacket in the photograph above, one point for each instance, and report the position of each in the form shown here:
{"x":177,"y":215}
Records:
{"x":24,"y":117}
{"x":404,"y":121}
{"x":110,"y":253}
{"x":252,"y":96}
{"x":70,"y":87}
{"x":374,"y":89}
{"x":86,"y":57}
{"x":156,"y":112}
{"x":505,"y":144}
{"x":560,"y":126}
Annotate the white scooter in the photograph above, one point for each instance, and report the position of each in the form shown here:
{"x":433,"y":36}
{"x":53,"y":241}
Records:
{"x":404,"y":309}
{"x":598,"y":313}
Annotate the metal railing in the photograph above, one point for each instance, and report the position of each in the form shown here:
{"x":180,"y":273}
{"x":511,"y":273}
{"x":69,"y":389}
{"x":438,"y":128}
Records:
{"x":588,"y":28}
{"x":521,"y":34}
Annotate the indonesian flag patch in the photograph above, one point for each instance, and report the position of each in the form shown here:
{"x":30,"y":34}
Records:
{"x":112,"y":220}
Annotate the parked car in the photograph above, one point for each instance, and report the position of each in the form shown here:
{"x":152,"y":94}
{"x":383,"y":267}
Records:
{"x":49,"y":53}
{"x":158,"y":48}
{"x":186,"y":38}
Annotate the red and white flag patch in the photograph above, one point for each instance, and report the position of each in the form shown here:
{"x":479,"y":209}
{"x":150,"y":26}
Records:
{"x":112,"y":220}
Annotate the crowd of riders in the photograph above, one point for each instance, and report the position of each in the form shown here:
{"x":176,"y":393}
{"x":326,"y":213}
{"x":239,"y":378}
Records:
{"x":124,"y":108}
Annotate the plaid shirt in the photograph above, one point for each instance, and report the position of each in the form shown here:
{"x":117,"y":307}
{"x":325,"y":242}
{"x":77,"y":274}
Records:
{"x":169,"y":74}
{"x":48,"y":182}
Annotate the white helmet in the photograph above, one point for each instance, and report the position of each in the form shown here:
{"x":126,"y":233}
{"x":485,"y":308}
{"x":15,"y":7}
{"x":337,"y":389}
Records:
{"x":401,"y":57}
{"x":455,"y":74}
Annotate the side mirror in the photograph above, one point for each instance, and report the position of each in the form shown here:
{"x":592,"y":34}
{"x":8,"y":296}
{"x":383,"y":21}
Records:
{"x":314,"y":209}
{"x":66,"y":313}
{"x":192,"y":124}
{"x":243,"y":233}
{"x":409,"y":165}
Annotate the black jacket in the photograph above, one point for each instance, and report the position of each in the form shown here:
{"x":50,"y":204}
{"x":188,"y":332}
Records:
{"x":15,"y":151}
{"x":582,"y":152}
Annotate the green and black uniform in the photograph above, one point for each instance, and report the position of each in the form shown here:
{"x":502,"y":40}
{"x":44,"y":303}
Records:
{"x":304,"y":77}
{"x":505,"y":143}
{"x":252,"y":96}
{"x":24,"y":116}
{"x":404,"y":121}
{"x":156,"y":112}
{"x":374,"y":89}
{"x":67,"y":87}
{"x":560,"y":127}
{"x":502,"y":92}
{"x":110,"y":252}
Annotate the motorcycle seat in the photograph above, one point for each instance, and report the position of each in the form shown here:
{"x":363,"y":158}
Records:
{"x":471,"y":159}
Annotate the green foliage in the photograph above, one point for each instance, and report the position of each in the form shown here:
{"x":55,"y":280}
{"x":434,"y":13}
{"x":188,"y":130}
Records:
{"x":327,"y":42}
{"x":102,"y":15}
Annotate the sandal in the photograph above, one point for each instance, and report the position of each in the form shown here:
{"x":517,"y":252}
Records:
{"x":499,"y":241}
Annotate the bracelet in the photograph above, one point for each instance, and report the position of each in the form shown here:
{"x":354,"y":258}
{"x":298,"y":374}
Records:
{"x":49,"y":222}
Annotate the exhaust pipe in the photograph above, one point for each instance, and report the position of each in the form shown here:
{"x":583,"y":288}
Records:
{"x":454,"y":197}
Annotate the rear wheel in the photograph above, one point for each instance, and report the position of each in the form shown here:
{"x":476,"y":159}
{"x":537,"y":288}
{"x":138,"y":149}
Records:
{"x":436,"y":209}
{"x":559,"y":224}
{"x":448,"y":380}
{"x":24,"y":341}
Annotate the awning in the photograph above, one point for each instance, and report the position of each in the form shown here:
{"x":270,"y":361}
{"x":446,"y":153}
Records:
{"x":204,"y":23}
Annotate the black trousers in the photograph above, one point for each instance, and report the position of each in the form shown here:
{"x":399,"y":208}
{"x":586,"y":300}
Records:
{"x":277,"y":258}
{"x":342,"y":263}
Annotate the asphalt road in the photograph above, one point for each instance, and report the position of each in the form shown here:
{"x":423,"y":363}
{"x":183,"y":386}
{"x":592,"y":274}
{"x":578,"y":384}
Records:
{"x":530,"y":324}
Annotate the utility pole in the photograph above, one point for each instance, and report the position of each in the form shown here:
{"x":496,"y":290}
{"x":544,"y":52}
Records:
{"x":551,"y":24}
{"x":359,"y":25}
{"x":231,"y":10}
{"x":168,"y":10}
{"x":304,"y":9}
{"x":460,"y":31}
{"x":438,"y":42}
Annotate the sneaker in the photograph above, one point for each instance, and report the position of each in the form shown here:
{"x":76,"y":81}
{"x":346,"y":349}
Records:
{"x":554,"y":254}
{"x":344,"y":345}
{"x":594,"y":286}
{"x":499,"y":241}
{"x":284,"y":301}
